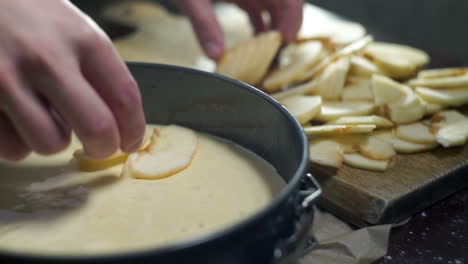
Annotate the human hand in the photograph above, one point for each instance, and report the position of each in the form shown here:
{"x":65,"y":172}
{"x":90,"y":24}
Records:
{"x":59,"y":72}
{"x":286,"y":16}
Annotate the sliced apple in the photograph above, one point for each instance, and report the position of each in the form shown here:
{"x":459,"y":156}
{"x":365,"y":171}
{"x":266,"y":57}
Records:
{"x":304,"y":108}
{"x":88,"y":164}
{"x":453,"y":135}
{"x":439,"y":73}
{"x":401,"y":145}
{"x":442,"y":82}
{"x":361,"y":162}
{"x":450,"y":128}
{"x":350,"y":143}
{"x":379,"y":121}
{"x":416,"y":132}
{"x":387,"y":91}
{"x":334,"y":110}
{"x":446,"y":97}
{"x":248,"y":61}
{"x":409,"y":109}
{"x":304,"y":56}
{"x":170,"y":150}
{"x":85,"y":163}
{"x":376,"y":148}
{"x":305,"y":88}
{"x":338,"y":32}
{"x":358,"y":92}
{"x":361,"y":66}
{"x":396,"y":61}
{"x":347,"y":51}
{"x":326,"y":152}
{"x":338,"y":129}
{"x":332,"y":80}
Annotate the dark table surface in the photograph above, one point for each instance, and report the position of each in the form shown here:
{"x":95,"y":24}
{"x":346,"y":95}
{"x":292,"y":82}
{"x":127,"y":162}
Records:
{"x":436,"y":235}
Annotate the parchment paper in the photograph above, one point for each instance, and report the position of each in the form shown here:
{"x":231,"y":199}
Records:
{"x":339,"y":243}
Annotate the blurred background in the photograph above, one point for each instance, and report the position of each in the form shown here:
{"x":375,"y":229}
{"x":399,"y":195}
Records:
{"x":436,"y":26}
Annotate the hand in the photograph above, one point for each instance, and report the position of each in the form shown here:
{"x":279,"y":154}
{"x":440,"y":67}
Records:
{"x":59,"y":72}
{"x":286,"y":16}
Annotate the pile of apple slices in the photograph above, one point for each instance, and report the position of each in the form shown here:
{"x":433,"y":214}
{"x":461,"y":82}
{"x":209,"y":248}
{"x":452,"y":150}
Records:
{"x":165,"y":151}
{"x":358,"y":108}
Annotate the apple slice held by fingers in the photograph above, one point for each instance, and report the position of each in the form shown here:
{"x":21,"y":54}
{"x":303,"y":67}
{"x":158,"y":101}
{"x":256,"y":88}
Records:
{"x":170,"y":150}
{"x":88,"y":164}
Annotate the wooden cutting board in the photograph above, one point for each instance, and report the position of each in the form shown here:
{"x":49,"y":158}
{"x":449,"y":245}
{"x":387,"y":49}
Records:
{"x":411,"y":184}
{"x":361,"y":197}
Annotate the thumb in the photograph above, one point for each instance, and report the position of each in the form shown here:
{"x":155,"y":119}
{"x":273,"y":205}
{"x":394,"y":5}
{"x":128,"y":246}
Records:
{"x":205,"y":25}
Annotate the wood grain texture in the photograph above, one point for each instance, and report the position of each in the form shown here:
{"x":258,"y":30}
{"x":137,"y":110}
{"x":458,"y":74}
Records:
{"x":412,"y":183}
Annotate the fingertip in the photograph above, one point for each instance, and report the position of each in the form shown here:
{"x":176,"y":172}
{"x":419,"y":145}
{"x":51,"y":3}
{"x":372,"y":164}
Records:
{"x":213,"y":49}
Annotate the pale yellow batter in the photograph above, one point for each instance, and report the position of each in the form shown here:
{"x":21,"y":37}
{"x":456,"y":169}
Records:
{"x":47,"y":207}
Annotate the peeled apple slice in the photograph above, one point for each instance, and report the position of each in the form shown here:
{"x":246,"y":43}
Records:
{"x":407,"y":147}
{"x":338,"y":129}
{"x":170,"y":150}
{"x":447,"y":97}
{"x":303,"y":108}
{"x":442,"y":83}
{"x":326,"y":152}
{"x":302,"y":57}
{"x":332,"y":80}
{"x":361,"y":162}
{"x":334,"y":110}
{"x":409,"y":109}
{"x":396,"y":61}
{"x":387,"y":91}
{"x":88,"y":164}
{"x":248,"y":61}
{"x":357,"y":92}
{"x":305,"y":88}
{"x":450,"y":128}
{"x":416,"y":132}
{"x":439,"y":73}
{"x":377,"y":149}
{"x":361,"y":66}
{"x":379,"y":121}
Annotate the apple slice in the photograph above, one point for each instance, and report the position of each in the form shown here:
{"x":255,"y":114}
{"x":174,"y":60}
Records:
{"x":304,"y":56}
{"x":442,"y":82}
{"x":416,"y":132}
{"x":361,"y":162}
{"x":248,"y":61}
{"x":334,"y":110}
{"x":450,"y":128}
{"x":387,"y":91}
{"x":379,"y":121}
{"x":347,"y":51}
{"x":401,"y":145}
{"x":439,"y":73}
{"x":326,"y":152}
{"x":396,"y":61}
{"x":332,"y":80}
{"x":337,"y":31}
{"x":361,"y":66}
{"x":304,"y":108}
{"x":170,"y":150}
{"x":85,"y":163}
{"x":446,"y":97}
{"x":377,"y":149}
{"x":305,"y":88}
{"x":350,"y":143}
{"x":358,"y":92}
{"x":338,"y":129}
{"x":410,"y":109}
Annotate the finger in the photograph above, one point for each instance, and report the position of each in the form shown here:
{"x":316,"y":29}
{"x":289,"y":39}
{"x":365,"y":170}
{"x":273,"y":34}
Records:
{"x":254,"y":10}
{"x":109,"y":76}
{"x":205,"y":25}
{"x":12,"y":147}
{"x":286,"y":16}
{"x":28,"y":115}
{"x":79,"y":104}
